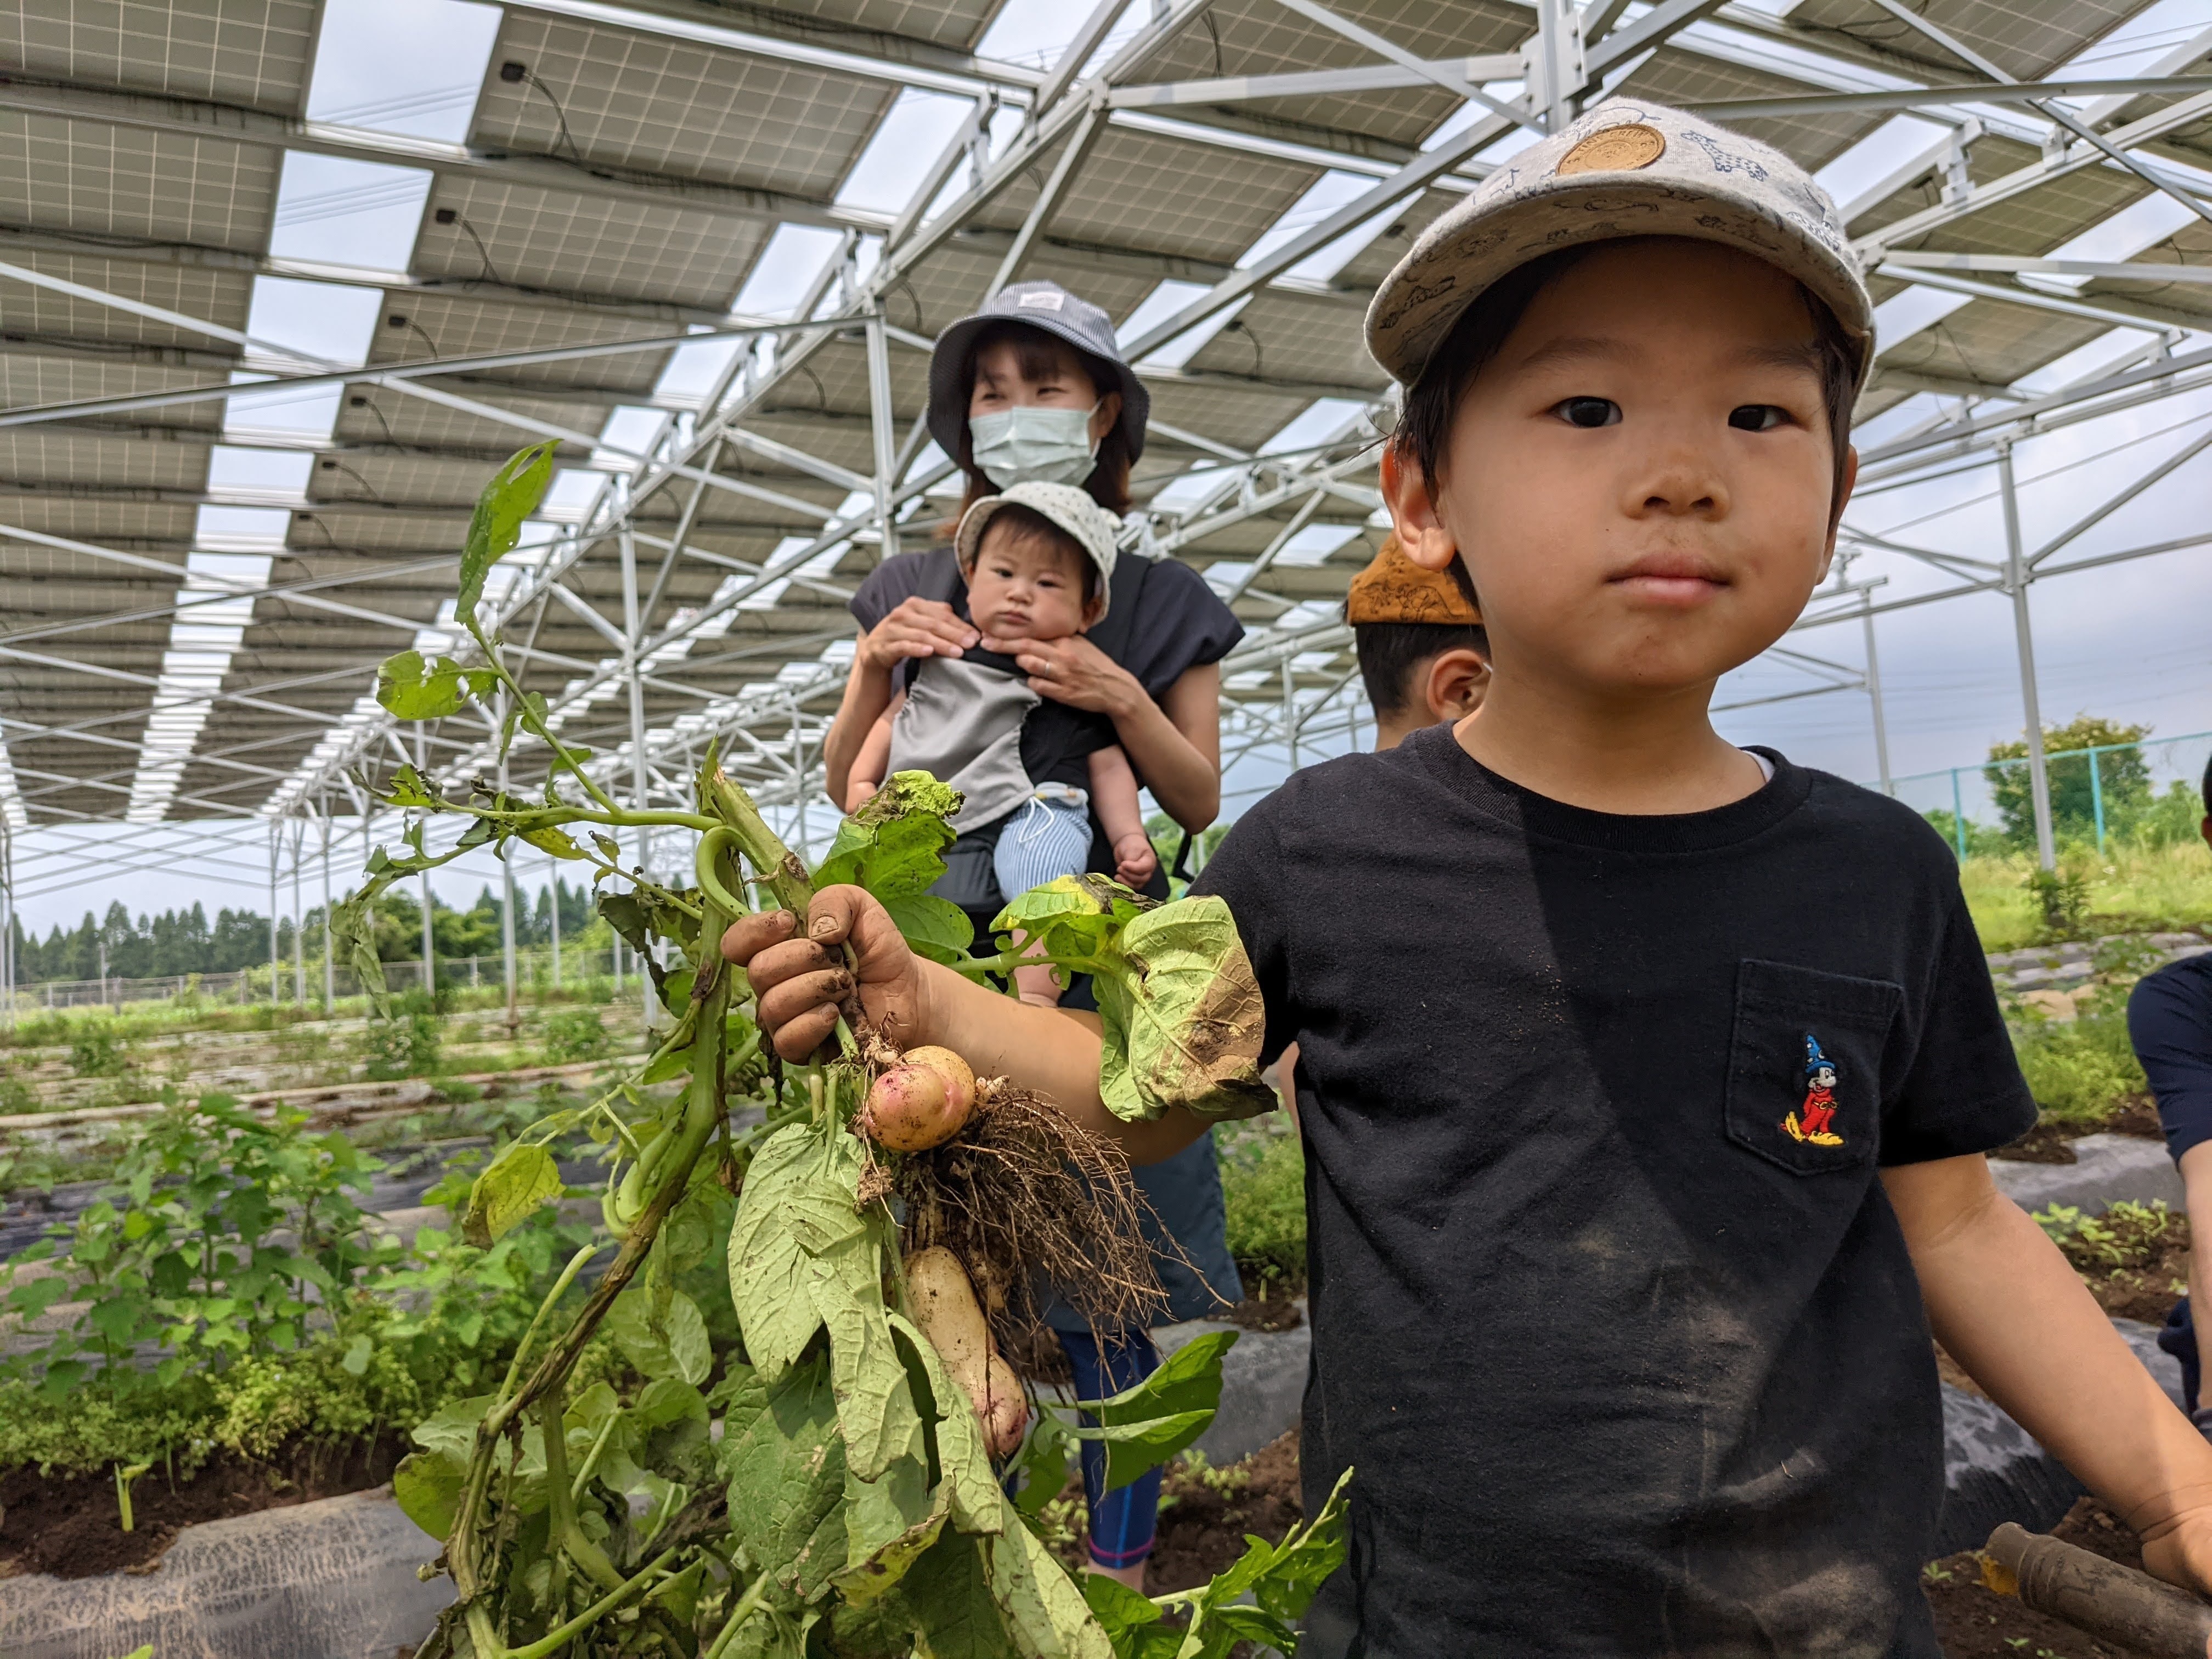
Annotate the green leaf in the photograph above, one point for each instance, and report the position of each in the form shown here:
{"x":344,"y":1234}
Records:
{"x":946,"y":1599}
{"x":412,"y":689}
{"x":1077,"y":919}
{"x":964,"y":1462}
{"x":797,"y":1203}
{"x":786,"y":1474}
{"x":1196,"y":1019}
{"x":1044,"y":1613}
{"x":512,"y":495}
{"x":1118,"y":1609}
{"x":452,"y":1428}
{"x":408,"y":788}
{"x":892,"y":845}
{"x":426,"y":1485}
{"x":504,"y":1196}
{"x":674,"y":1344}
{"x":1281,"y":1579}
{"x":1144,"y":1426}
{"x":1044,"y":1467}
{"x":934,"y":927}
{"x":889,"y":1522}
{"x":874,"y":1404}
{"x":556,"y":842}
{"x":355,"y":1360}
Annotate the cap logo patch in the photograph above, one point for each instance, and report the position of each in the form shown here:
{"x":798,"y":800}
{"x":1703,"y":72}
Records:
{"x":1044,"y":301}
{"x":1616,"y":150}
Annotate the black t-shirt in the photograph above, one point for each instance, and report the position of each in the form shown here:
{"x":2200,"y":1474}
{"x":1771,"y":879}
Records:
{"x":1625,"y":1362}
{"x":2170,"y":1023}
{"x":1161,"y":620}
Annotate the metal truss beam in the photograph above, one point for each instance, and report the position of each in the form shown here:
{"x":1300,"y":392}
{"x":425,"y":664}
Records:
{"x":198,"y":119}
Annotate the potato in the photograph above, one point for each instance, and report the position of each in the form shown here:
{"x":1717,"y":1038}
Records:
{"x":1005,"y":1408}
{"x":943,"y":1305}
{"x":920,"y":1103}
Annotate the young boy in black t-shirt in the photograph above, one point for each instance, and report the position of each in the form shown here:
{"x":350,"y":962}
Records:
{"x":1644,"y":1080}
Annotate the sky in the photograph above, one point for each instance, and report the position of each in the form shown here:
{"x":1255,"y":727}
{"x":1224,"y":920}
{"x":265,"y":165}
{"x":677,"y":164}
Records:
{"x":2127,"y":640}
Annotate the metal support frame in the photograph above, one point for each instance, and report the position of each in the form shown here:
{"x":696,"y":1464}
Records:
{"x":2018,"y":574}
{"x":1068,"y":109}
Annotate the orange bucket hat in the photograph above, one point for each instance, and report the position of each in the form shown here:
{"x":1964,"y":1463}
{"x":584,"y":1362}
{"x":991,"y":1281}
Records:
{"x":1393,"y":589}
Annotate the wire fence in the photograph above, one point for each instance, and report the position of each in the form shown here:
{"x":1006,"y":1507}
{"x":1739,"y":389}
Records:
{"x":535,"y":970}
{"x":2111,"y":791}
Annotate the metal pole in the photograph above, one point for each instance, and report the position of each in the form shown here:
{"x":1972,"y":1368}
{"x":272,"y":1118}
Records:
{"x":299,"y":919}
{"x":1553,"y":19}
{"x":8,"y":916}
{"x":553,"y":903}
{"x":632,"y":632}
{"x":506,"y":917}
{"x":330,"y":975}
{"x":429,"y":951}
{"x":1290,"y":709}
{"x":1873,"y":696}
{"x":275,"y":959}
{"x":2017,"y":577}
{"x":882,"y":422}
{"x":1958,"y":816}
{"x":2097,"y":799}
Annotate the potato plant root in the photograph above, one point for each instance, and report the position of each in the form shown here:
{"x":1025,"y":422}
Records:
{"x":1025,"y":1197}
{"x":67,"y":1526}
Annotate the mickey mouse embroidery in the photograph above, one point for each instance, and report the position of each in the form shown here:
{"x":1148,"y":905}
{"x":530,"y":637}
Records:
{"x":1813,"y":1121}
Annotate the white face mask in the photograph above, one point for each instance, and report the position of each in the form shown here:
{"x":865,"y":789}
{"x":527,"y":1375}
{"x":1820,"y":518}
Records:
{"x":1032,"y":445}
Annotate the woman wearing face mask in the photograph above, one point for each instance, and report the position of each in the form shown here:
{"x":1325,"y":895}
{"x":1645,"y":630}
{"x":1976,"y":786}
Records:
{"x":1033,"y":390}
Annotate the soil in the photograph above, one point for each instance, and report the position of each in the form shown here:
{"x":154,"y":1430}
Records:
{"x":1274,"y":1309}
{"x":1972,"y":1622}
{"x":1202,"y":1528}
{"x":2046,"y":1143}
{"x":67,"y":1525}
{"x":2152,"y":1275}
{"x":1204,"y":1515}
{"x":2051,"y":1142}
{"x":2135,"y":1115}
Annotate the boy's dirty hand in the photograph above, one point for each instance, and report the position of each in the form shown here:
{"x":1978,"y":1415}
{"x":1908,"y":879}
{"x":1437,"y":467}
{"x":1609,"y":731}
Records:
{"x":2179,"y":1550}
{"x":801,"y":979}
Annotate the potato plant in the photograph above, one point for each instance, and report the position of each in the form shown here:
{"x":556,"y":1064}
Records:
{"x":826,"y":1484}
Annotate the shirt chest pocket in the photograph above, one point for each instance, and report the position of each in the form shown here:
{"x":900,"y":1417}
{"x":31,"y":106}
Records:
{"x":1804,"y":1087}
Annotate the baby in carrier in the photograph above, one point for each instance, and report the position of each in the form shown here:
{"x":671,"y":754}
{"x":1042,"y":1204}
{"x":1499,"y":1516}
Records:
{"x":1036,"y":560}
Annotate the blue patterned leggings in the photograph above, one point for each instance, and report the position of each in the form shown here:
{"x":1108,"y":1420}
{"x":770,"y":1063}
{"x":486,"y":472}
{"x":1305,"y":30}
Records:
{"x":1121,"y":1521}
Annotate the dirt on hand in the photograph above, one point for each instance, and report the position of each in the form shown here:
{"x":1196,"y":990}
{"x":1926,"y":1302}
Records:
{"x":69,"y":1526}
{"x":1973,"y":1622}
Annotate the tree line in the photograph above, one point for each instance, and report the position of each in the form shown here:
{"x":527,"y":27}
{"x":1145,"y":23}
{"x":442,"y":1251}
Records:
{"x":182,"y":941}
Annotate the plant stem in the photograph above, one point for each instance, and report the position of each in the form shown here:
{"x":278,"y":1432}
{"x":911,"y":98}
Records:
{"x":568,"y":1534}
{"x":560,"y":1289}
{"x":487,"y":1643}
{"x":747,"y":1605}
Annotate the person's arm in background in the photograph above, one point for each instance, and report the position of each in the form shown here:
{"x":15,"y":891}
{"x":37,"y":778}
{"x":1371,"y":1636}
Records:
{"x":916,"y":628}
{"x":2170,"y":1024}
{"x":1114,"y":797}
{"x":873,"y":760}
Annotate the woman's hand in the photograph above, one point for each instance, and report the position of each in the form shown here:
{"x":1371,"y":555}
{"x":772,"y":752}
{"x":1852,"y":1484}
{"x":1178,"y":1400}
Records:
{"x":1074,"y":672}
{"x":802,"y":982}
{"x":917,"y":628}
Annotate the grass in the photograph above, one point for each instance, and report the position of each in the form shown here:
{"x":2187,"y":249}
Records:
{"x":1263,"y":1185}
{"x":2131,"y":889}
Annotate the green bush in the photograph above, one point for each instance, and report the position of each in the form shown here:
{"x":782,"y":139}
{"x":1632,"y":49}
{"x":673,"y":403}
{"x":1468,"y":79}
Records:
{"x":574,"y":1034}
{"x":1264,"y":1188}
{"x":405,"y":1043}
{"x":95,"y":1049}
{"x":2080,"y":1071}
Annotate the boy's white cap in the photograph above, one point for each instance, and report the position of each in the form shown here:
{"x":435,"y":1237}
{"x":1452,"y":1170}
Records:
{"x":1094,"y":528}
{"x":1628,"y":167}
